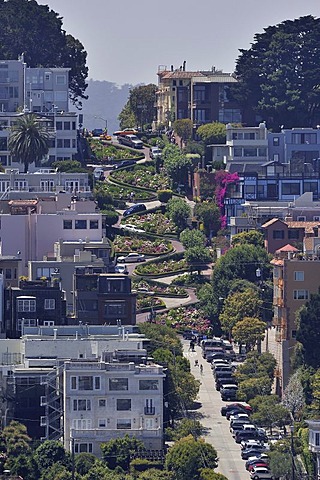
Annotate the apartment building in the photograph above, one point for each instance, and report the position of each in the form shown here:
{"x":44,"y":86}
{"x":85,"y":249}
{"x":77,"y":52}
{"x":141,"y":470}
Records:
{"x":31,"y":227}
{"x":200,"y":96}
{"x":295,"y":278}
{"x":84,"y":385}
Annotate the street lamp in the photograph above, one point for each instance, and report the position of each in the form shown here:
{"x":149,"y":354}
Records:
{"x":106,"y":121}
{"x":292,"y":453}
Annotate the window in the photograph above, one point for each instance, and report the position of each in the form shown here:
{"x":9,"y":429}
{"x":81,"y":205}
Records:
{"x":291,"y":188}
{"x":118,"y":384}
{"x":237,"y":152}
{"x":276,"y":141}
{"x":61,"y":79}
{"x":97,"y":383}
{"x":66,"y":143}
{"x":278,"y":234}
{"x":301,"y":219}
{"x":249,"y":152}
{"x":81,"y":405}
{"x":49,"y":304}
{"x":316,"y":218}
{"x":299,"y":276}
{"x":317,"y":439}
{"x":199,"y":93}
{"x":123,"y":404}
{"x":67,"y":224}
{"x":276,"y":157}
{"x":26,"y":305}
{"x":80,"y":224}
{"x":148,"y":385}
{"x":66,"y":125}
{"x":59,"y":125}
{"x":8,"y":273}
{"x":300,"y":294}
{"x":94,"y":224}
{"x":45,"y":272}
{"x":81,"y":423}
{"x":83,"y":447}
{"x":102,"y":402}
{"x":73,"y":383}
{"x":59,"y":143}
{"x":102,"y":423}
{"x":114,"y":309}
{"x":85,"y":383}
{"x":123,"y":424}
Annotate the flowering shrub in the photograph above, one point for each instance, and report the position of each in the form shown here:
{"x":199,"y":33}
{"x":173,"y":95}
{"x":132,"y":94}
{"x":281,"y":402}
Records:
{"x":148,"y":302}
{"x":110,"y":152}
{"x":143,"y":177}
{"x":152,"y":223}
{"x":135,"y":244}
{"x":185,"y":318}
{"x":158,"y":268}
{"x":159,"y":289}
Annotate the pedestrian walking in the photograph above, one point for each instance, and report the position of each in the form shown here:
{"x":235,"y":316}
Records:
{"x":201,"y":369}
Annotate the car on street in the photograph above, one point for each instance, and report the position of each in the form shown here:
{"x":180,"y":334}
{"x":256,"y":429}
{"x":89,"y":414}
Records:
{"x":248,"y":435}
{"x":261,"y":473}
{"x":131,"y":258}
{"x":138,"y":207}
{"x":96,"y":132}
{"x":259,"y":458}
{"x":121,"y":269}
{"x":124,"y":163}
{"x":130,"y":141}
{"x":249,"y":452}
{"x":125,"y":131}
{"x":131,"y":228}
{"x":241,"y":406}
{"x":239,"y":417}
{"x":229,"y":391}
{"x":155,"y":152}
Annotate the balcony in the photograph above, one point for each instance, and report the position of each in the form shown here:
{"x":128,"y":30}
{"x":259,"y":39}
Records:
{"x":149,"y":410}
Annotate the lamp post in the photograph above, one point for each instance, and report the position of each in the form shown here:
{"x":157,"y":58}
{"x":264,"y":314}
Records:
{"x":106,"y":121}
{"x":259,"y":275}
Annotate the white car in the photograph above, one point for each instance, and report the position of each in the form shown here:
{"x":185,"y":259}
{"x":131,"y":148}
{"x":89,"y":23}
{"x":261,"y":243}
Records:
{"x":261,"y":473}
{"x":121,"y":269}
{"x":131,"y":228}
{"x":131,"y":257}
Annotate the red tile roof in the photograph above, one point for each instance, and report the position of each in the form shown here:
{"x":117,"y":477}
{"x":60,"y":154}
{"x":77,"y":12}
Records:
{"x":287,"y":248}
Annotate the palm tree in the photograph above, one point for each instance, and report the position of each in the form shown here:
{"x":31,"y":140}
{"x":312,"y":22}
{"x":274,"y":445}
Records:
{"x":29,"y":140}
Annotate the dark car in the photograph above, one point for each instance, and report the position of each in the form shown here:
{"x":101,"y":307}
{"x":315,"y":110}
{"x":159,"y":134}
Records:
{"x":96,"y":132}
{"x":224,"y":380}
{"x":240,"y":406}
{"x":124,"y":163}
{"x":245,"y":435}
{"x":251,"y":452}
{"x":229,"y":391}
{"x":138,"y":207}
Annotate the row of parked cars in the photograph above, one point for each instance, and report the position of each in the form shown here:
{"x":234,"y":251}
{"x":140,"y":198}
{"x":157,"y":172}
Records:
{"x":225,"y":380}
{"x":253,"y":440}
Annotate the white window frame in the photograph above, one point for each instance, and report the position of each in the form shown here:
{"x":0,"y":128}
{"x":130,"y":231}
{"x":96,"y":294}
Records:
{"x":26,"y":305}
{"x":299,"y":276}
{"x":301,"y":294}
{"x":49,"y":304}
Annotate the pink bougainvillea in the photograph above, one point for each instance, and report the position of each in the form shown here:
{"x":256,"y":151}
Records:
{"x":222,"y":180}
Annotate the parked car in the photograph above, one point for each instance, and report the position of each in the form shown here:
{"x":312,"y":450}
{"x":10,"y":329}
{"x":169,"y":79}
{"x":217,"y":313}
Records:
{"x":131,"y":228}
{"x":259,"y":463}
{"x":241,"y":406}
{"x":249,"y":452}
{"x":239,"y":417}
{"x":106,"y":136}
{"x":121,"y":269}
{"x":261,"y":473}
{"x":242,"y":435}
{"x":220,"y":382}
{"x":96,"y":132}
{"x":229,"y":391}
{"x":124,"y":163}
{"x":131,"y":257}
{"x":260,"y":457}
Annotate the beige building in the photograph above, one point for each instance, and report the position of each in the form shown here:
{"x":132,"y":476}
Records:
{"x":295,"y":278}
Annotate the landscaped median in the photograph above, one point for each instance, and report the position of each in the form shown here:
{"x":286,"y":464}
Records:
{"x":154,"y":247}
{"x":147,"y":303}
{"x":141,"y":176}
{"x":155,"y":223}
{"x":185,"y":318}
{"x":159,"y":289}
{"x":172,"y":265}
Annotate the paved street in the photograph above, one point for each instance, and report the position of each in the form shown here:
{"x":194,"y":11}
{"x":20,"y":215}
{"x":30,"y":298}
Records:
{"x":230,"y":463}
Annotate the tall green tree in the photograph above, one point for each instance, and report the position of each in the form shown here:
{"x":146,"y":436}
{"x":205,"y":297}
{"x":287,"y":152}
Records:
{"x":177,"y":165}
{"x":126,"y":117}
{"x":192,"y":238}
{"x":209,"y":214}
{"x":254,"y":237}
{"x":117,"y":452}
{"x":183,"y":128}
{"x":187,"y":457}
{"x":249,"y":331}
{"x":141,"y":102}
{"x":308,"y":330}
{"x":28,"y":140}
{"x":37,"y":32}
{"x":179,"y":212}
{"x":279,"y":74}
{"x":212,"y":133}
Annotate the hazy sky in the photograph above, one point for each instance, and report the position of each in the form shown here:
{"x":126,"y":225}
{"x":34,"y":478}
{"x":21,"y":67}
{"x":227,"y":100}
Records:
{"x":127,"y":40}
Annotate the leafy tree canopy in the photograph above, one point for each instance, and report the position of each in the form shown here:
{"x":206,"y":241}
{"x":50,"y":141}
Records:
{"x":185,"y":427}
{"x":126,"y":117}
{"x":70,"y":166}
{"x":187,"y":457}
{"x":279,"y":74}
{"x":209,"y":214}
{"x":308,"y":330}
{"x":176,"y":164}
{"x":212,"y":133}
{"x":179,"y":212}
{"x":183,"y":129}
{"x":192,"y":238}
{"x":253,"y":238}
{"x":140,"y":108}
{"x":36,"y":31}
{"x":116,"y":452}
{"x":249,"y":331}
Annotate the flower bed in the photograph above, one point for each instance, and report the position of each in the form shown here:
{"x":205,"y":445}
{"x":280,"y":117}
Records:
{"x":148,"y":303}
{"x":110,"y":152}
{"x":148,"y":247}
{"x":123,"y":193}
{"x":152,"y":223}
{"x":160,"y":290}
{"x":142,"y":177}
{"x":166,"y":267}
{"x":184,"y":318}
